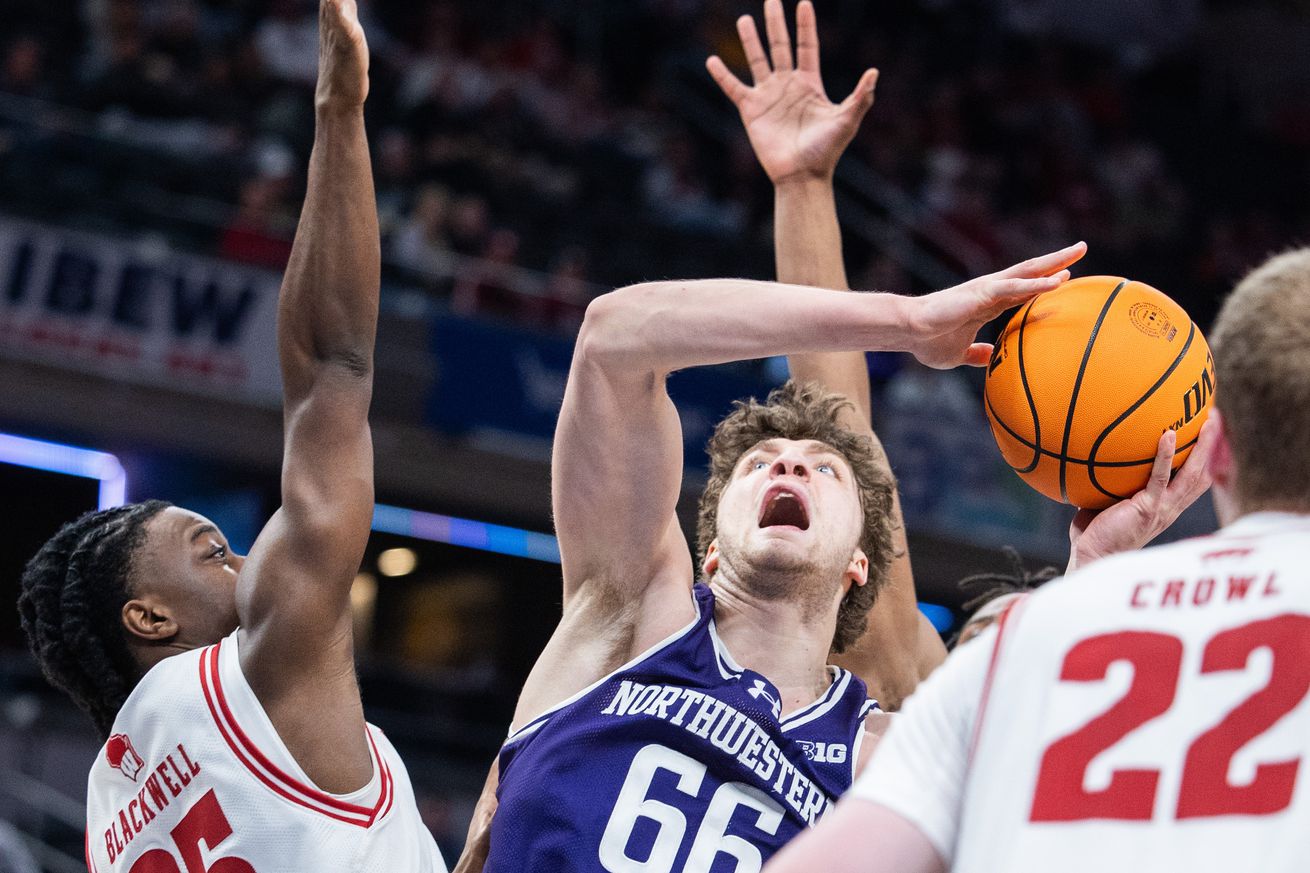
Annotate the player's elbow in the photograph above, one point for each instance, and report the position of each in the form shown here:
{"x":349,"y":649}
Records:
{"x":613,"y":332}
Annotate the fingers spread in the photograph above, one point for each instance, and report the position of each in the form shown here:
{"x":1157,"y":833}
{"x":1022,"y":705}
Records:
{"x":775,"y":25}
{"x":807,"y":38}
{"x":754,"y":50}
{"x":1046,"y":265}
{"x":732,"y":86}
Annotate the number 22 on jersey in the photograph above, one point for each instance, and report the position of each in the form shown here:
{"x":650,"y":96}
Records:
{"x":1157,"y":659}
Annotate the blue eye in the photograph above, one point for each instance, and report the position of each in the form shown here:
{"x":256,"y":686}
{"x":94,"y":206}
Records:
{"x":759,"y":465}
{"x":826,"y":468}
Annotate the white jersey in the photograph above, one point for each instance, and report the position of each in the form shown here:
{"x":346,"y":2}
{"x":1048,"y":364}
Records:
{"x":1148,"y":713}
{"x":194,"y":779}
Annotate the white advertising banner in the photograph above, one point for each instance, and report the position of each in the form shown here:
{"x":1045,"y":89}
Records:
{"x":137,"y":311}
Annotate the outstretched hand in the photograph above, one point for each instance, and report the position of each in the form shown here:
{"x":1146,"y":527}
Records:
{"x":945,"y":324}
{"x":1131,"y":524}
{"x":796,"y":131}
{"x":342,"y":56}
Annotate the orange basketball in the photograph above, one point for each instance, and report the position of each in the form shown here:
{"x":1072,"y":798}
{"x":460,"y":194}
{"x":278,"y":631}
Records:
{"x":1085,"y":379}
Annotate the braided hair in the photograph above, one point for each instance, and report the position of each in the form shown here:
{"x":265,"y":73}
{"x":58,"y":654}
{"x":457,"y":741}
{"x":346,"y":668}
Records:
{"x":70,"y":601}
{"x":990,"y":586}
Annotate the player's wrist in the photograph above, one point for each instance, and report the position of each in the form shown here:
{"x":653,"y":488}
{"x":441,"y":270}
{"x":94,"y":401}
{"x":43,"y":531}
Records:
{"x":330,"y":106}
{"x":805,"y":182}
{"x":890,"y":322}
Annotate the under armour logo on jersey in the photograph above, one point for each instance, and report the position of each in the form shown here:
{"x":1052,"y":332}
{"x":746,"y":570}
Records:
{"x":762,"y":690}
{"x":123,"y":757}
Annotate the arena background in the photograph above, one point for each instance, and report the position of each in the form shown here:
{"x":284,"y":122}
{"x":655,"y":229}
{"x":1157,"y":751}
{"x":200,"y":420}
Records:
{"x":530,"y":155}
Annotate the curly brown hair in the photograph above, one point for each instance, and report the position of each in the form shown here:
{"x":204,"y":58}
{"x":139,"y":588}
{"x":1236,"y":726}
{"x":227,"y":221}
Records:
{"x":801,"y":411}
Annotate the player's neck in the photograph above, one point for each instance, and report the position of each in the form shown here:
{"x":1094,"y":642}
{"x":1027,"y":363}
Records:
{"x":784,"y":641}
{"x":147,"y":656}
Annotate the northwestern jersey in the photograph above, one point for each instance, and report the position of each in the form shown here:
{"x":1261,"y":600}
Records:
{"x":676,"y":761}
{"x":194,"y":778}
{"x":1148,"y":713}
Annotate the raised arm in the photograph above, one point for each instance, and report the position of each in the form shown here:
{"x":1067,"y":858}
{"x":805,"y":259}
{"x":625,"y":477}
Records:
{"x":293,"y":593}
{"x":617,"y":462}
{"x":798,"y":135}
{"x":617,"y":465}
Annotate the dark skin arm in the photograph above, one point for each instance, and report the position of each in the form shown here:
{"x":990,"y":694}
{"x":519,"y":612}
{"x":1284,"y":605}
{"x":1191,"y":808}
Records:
{"x":477,"y":845}
{"x":293,"y":594}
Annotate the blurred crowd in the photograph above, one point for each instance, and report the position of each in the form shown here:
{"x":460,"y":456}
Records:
{"x":530,"y":154}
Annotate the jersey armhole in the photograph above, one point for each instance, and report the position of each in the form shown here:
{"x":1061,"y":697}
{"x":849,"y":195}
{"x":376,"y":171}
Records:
{"x":277,"y":780}
{"x":541,"y":718}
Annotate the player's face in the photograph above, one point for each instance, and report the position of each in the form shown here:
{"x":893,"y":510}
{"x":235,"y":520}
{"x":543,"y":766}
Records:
{"x":186,"y":568}
{"x":791,"y":507}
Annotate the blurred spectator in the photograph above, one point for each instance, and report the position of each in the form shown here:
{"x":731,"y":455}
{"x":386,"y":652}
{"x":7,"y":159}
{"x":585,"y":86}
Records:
{"x":1001,"y":129}
{"x":260,"y":233}
{"x":495,"y":286}
{"x":23,"y":71}
{"x":420,"y":243}
{"x":288,"y":41}
{"x":567,"y":290}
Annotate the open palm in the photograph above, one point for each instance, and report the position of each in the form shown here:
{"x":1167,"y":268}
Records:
{"x":795,"y":129}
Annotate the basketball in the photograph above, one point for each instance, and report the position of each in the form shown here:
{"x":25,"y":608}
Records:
{"x":1084,"y":380}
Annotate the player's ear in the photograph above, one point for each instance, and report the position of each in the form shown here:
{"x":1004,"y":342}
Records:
{"x":148,"y":620}
{"x":1222,"y":469}
{"x":1220,"y":462}
{"x":857,"y":571}
{"x":711,"y":562}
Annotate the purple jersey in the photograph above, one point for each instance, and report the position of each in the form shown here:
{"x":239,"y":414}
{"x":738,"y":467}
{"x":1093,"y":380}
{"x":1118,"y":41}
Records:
{"x":675,"y":761}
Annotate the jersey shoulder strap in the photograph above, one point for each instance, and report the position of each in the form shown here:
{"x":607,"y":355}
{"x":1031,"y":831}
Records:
{"x":250,"y":735}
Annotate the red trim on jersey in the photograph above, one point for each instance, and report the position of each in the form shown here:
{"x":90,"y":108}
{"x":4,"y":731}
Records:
{"x":90,"y":862}
{"x":273,"y":777}
{"x":1003,"y":622}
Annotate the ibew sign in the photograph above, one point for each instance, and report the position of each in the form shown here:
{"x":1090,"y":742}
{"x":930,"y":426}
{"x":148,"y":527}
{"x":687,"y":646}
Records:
{"x":110,"y":307}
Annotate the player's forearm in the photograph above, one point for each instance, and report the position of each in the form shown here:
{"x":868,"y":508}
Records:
{"x":659,"y":327}
{"x":327,"y":314}
{"x":807,"y":241}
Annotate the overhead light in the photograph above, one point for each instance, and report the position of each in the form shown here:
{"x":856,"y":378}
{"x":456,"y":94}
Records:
{"x":465,"y":532}
{"x":397,"y":562}
{"x":71,"y":461}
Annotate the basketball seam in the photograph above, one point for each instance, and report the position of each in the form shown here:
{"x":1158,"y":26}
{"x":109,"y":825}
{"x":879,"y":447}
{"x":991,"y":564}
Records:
{"x":1096,"y":444}
{"x":1078,"y":383}
{"x":1028,"y":394}
{"x":1072,"y":460}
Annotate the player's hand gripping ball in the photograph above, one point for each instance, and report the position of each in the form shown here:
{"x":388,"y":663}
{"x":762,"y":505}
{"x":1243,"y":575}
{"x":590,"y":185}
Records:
{"x":1083,"y":381}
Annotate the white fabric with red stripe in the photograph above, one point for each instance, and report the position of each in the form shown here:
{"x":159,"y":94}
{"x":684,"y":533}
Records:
{"x":195,"y":774}
{"x":1151,"y":712}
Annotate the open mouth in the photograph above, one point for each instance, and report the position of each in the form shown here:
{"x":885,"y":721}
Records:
{"x":783,"y":508}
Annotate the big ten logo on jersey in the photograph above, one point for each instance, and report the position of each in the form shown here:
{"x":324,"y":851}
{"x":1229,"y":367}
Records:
{"x":1223,"y":696}
{"x":167,"y":785}
{"x":825,"y":753}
